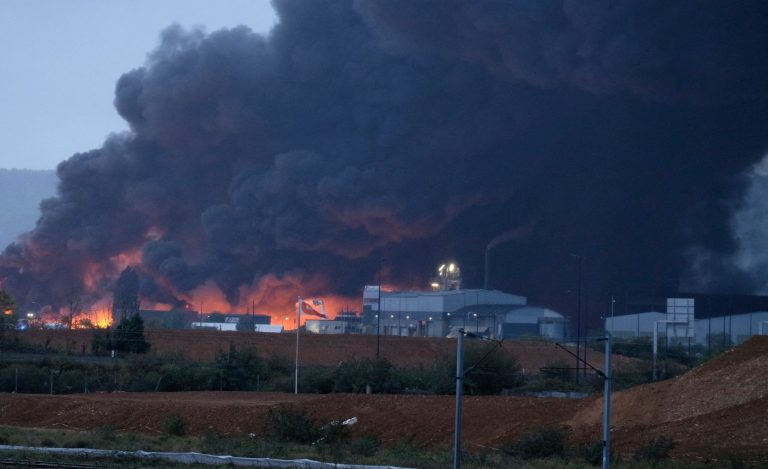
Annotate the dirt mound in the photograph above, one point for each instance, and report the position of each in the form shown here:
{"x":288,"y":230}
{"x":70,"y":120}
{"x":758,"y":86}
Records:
{"x":719,"y":407}
{"x":423,"y":420}
{"x":735,"y":377}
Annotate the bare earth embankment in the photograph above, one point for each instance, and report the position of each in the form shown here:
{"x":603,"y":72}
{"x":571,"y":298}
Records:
{"x":716,"y":410}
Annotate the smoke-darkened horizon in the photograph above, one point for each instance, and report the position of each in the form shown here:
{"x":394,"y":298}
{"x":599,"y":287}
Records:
{"x":261,"y":168}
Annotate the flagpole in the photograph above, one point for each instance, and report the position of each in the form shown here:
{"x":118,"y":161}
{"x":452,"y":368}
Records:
{"x":296,"y":368}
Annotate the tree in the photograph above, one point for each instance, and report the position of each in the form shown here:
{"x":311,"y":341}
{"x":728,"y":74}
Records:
{"x":74,"y":305}
{"x":129,"y":336}
{"x":125,"y":301}
{"x":7,"y":305}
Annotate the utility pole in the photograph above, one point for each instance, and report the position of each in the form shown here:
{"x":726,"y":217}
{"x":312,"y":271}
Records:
{"x":608,"y":377}
{"x":459,"y":392}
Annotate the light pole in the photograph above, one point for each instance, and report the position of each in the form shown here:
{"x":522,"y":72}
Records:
{"x":613,"y":303}
{"x":378,"y":314}
{"x":578,"y":316}
{"x":296,"y":367}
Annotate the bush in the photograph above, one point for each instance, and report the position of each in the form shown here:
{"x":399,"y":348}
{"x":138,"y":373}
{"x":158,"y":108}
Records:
{"x":488,"y":371}
{"x":366,"y":445}
{"x":541,"y":442}
{"x":592,"y":452}
{"x":332,"y":440}
{"x":655,"y":450}
{"x":314,"y":379}
{"x":175,"y":425}
{"x":240,"y":369}
{"x":289,"y":424}
{"x":354,"y":376}
{"x":128,"y":336}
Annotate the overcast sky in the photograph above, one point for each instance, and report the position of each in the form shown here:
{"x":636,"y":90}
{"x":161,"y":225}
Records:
{"x":61,"y":60}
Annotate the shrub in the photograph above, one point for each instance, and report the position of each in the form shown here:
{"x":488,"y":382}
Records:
{"x":288,"y":424}
{"x":592,"y":452}
{"x":488,"y":371}
{"x":541,"y":442}
{"x":240,"y":368}
{"x":175,"y":425}
{"x":314,"y":379}
{"x":655,"y":450}
{"x":366,"y":445}
{"x":105,"y":433}
{"x":331,"y":440}
{"x":354,"y":376}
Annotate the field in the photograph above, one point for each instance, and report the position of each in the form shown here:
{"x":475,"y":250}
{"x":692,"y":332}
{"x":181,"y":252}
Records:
{"x":202,"y":345}
{"x":717,"y":411}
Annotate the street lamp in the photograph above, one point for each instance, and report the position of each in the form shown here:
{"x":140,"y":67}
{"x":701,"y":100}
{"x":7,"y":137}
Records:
{"x":578,"y":315}
{"x":378,"y":315}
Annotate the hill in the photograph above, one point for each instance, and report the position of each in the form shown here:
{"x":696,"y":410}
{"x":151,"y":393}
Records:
{"x":716,"y":409}
{"x":21,"y":192}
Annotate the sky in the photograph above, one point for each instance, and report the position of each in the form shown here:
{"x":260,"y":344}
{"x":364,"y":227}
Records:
{"x":61,"y":61}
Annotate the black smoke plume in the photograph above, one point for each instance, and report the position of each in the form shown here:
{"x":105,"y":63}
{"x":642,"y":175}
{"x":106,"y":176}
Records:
{"x":289,"y":164}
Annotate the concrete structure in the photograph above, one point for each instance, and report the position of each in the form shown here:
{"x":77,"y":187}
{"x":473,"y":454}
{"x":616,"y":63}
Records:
{"x":441,"y":313}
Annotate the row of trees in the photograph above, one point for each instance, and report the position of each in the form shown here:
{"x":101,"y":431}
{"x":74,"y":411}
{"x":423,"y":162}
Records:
{"x":244,"y":369}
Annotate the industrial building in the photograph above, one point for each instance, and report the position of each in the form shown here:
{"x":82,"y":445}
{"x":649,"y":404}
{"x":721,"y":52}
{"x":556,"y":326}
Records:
{"x":720,"y":319}
{"x":449,"y":307}
{"x":346,"y":322}
{"x":230,"y":322}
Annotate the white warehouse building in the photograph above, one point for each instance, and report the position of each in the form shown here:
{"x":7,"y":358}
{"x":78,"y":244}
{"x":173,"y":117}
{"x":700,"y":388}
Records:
{"x":730,"y":321}
{"x":441,"y":313}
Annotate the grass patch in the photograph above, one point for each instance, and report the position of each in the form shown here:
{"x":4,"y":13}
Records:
{"x":353,"y":449}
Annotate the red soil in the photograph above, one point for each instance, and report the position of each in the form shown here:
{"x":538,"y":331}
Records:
{"x":718,"y":410}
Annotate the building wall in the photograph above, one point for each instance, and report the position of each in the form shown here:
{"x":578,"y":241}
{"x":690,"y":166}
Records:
{"x":219,"y":326}
{"x":443,"y":313}
{"x":429,"y":314}
{"x":732,"y":330}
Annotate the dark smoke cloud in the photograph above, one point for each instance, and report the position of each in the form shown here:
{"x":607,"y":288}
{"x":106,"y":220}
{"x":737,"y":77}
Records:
{"x":419,"y":131}
{"x":658,"y":49}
